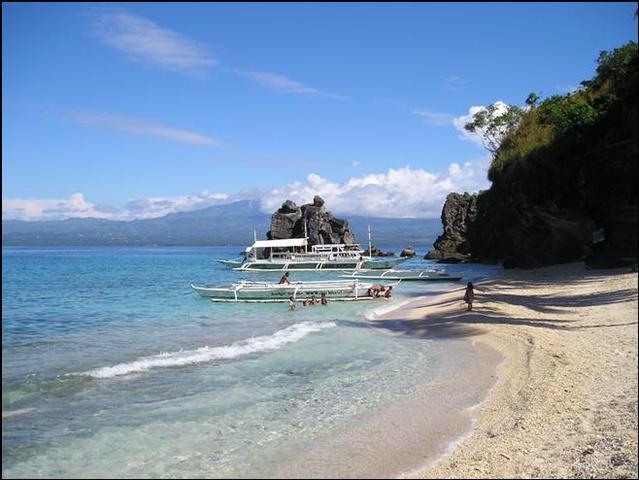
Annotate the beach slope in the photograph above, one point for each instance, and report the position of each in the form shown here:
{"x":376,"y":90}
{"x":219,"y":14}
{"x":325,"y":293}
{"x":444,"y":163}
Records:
{"x":566,"y":401}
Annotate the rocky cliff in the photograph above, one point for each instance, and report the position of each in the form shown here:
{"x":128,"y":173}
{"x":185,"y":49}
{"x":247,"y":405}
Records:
{"x":458,"y":213}
{"x":321,"y":226}
{"x":564,"y":180}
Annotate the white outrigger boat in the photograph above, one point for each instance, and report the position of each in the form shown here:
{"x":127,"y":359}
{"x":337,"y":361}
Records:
{"x":405,"y":275}
{"x":265,"y":292}
{"x":294,"y":254}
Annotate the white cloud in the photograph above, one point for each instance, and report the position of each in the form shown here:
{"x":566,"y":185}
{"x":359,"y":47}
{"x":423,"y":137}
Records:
{"x":77,"y":207}
{"x":434,"y":118}
{"x":146,"y":42}
{"x":138,"y":126}
{"x":159,"y":206}
{"x":51,"y":209}
{"x":461,"y":121}
{"x":282,"y":84}
{"x":398,"y":193}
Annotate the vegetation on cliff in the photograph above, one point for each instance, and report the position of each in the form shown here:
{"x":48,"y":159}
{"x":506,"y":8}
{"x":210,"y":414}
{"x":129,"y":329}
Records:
{"x":563,"y":169}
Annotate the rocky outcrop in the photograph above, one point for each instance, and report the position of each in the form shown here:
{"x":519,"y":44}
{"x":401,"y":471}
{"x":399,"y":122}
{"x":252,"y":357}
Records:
{"x":408,"y":252}
{"x":376,"y":252}
{"x":321,"y":226}
{"x":458,"y":213}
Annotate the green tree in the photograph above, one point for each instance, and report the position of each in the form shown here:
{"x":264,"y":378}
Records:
{"x":494,"y":122}
{"x":532,"y":99}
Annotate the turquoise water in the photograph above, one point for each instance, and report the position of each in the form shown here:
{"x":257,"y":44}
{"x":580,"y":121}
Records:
{"x":113,"y":366}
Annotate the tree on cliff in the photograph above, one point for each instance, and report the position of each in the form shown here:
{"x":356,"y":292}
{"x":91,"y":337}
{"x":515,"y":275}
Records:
{"x":493,"y":123}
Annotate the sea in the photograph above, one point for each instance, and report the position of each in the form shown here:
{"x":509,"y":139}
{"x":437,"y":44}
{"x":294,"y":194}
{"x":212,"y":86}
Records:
{"x":113,"y":367}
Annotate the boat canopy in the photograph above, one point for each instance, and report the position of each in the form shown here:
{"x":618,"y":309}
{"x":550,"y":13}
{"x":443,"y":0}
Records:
{"x":288,"y":242}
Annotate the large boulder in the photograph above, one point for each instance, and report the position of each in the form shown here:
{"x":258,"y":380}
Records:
{"x":408,"y":252}
{"x":458,"y":213}
{"x":312,"y":220}
{"x":284,"y":220}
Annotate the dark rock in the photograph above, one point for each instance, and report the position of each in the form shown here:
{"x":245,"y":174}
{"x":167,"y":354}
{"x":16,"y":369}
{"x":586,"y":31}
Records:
{"x":408,"y":252}
{"x":283,"y":221}
{"x":459,"y":211}
{"x":311,"y":220}
{"x":376,"y":252}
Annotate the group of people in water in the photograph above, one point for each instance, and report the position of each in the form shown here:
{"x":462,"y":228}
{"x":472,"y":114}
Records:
{"x":375,"y":291}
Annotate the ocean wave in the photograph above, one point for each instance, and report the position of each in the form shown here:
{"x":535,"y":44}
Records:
{"x":383,"y":310}
{"x":205,"y":354}
{"x":16,"y":413}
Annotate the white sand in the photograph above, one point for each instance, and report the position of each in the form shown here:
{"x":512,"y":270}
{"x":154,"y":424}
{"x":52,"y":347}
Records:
{"x":566,"y":401}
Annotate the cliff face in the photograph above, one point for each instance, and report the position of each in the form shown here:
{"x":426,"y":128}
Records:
{"x":322,"y":227}
{"x":564,"y":181}
{"x":458,"y":213}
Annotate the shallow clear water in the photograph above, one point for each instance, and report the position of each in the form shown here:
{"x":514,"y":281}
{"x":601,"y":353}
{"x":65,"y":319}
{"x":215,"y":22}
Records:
{"x":114,"y":366}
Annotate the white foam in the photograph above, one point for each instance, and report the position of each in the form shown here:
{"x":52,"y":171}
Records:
{"x":15,"y":413}
{"x":383,"y":310}
{"x":206,"y":354}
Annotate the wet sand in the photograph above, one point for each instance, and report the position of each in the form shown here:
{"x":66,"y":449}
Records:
{"x":565,"y":404}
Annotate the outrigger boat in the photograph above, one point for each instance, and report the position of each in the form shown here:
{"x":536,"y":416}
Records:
{"x":294,"y":254}
{"x":265,"y":292}
{"x":405,"y":275}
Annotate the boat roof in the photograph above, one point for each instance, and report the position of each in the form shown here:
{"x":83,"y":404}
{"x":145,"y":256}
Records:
{"x":288,"y":242}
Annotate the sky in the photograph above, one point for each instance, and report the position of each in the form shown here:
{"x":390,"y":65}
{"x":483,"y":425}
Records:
{"x":136,"y":110}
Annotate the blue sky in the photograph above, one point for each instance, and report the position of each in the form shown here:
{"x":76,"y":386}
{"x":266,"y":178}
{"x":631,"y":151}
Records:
{"x":137,"y":110}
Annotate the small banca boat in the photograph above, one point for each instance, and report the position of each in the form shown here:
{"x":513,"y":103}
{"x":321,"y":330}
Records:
{"x":405,"y":275}
{"x":265,"y":292}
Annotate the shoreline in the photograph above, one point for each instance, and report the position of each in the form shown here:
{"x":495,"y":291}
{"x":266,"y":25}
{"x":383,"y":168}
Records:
{"x":565,"y":403}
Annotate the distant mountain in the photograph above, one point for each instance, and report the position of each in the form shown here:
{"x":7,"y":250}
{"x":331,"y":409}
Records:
{"x":230,"y":224}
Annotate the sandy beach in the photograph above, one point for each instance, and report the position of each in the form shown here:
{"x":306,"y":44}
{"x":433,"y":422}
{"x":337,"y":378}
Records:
{"x":565,"y":404}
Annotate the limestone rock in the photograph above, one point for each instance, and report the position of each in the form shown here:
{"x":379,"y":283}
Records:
{"x":311,"y":219}
{"x":408,"y":252}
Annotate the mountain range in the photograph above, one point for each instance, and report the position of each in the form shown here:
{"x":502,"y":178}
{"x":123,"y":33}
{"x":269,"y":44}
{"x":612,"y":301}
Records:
{"x":230,"y":224}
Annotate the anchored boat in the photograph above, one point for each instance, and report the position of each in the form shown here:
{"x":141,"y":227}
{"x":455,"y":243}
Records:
{"x":265,"y":292}
{"x":294,"y":254}
{"x":405,"y":275}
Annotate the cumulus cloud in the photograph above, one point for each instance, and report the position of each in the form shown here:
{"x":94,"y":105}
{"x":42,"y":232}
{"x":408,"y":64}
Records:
{"x":398,"y":193}
{"x":146,"y":42}
{"x":159,"y":206}
{"x":138,"y":126}
{"x":77,"y":207}
{"x":51,"y":209}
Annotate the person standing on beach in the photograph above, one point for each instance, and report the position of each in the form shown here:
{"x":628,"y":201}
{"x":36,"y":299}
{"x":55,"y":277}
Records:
{"x":469,"y":296}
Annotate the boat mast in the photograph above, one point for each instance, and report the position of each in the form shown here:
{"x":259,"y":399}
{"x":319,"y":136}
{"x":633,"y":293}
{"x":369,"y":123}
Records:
{"x":306,"y":237}
{"x":254,"y":234}
{"x":370,"y":254}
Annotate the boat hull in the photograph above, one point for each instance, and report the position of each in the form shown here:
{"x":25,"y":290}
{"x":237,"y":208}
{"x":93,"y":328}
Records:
{"x":269,"y":293}
{"x":406,"y":276}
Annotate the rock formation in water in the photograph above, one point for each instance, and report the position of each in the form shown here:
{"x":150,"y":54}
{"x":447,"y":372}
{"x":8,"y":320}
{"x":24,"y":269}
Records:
{"x":408,"y":252}
{"x":321,"y":226}
{"x":452,"y":246}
